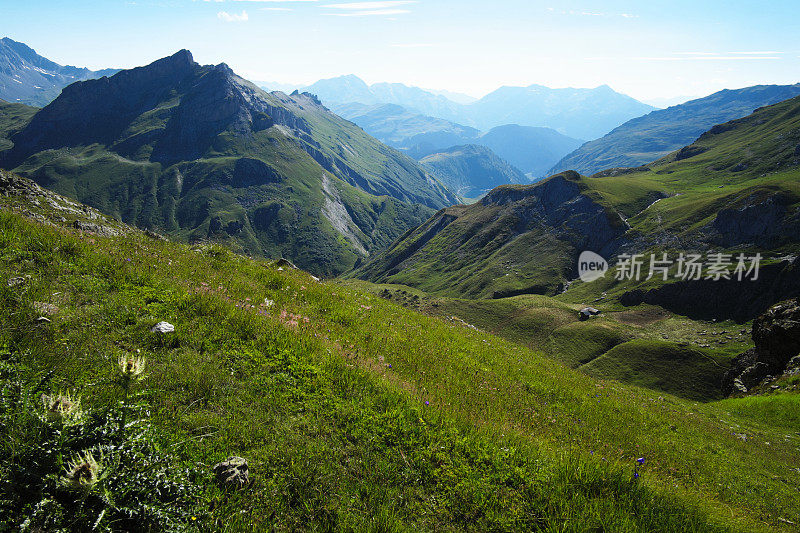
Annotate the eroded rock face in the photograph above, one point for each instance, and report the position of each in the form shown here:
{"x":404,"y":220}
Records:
{"x":777,"y":333}
{"x":232,"y":472}
{"x":756,"y":222}
{"x":777,"y":337}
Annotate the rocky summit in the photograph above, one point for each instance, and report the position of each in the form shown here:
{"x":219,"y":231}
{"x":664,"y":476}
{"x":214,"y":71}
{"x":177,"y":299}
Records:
{"x":201,"y":154}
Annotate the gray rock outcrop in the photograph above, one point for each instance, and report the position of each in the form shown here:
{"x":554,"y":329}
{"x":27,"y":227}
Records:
{"x":776,"y":334}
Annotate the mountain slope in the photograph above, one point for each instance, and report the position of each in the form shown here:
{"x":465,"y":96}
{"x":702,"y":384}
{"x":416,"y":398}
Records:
{"x":579,"y":113}
{"x":471,"y":170}
{"x":645,"y":139}
{"x":28,"y":78}
{"x":736,"y":189}
{"x":13,"y":117}
{"x":200,"y":153}
{"x":517,"y":239}
{"x":415,"y":423}
{"x":528,"y":148}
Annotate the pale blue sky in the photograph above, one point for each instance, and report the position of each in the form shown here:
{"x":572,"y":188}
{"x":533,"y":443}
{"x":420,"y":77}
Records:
{"x":648,"y":49}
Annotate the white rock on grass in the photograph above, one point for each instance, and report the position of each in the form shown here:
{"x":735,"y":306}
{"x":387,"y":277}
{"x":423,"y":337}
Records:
{"x":163,"y":327}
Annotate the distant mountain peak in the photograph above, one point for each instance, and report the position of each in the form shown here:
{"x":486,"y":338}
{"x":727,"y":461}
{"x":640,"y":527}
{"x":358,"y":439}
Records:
{"x":28,"y":78}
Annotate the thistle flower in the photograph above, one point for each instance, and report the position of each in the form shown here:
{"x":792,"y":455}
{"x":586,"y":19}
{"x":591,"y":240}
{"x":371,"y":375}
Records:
{"x":82,"y":472}
{"x":131,"y":366}
{"x":62,"y":407}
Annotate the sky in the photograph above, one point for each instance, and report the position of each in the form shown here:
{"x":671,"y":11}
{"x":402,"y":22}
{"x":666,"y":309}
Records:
{"x":648,"y":49}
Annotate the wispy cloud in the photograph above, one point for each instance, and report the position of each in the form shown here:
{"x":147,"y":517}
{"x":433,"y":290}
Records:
{"x":575,"y":13}
{"x":371,"y":13}
{"x":233,"y":17}
{"x":362,"y":6}
{"x":411,"y":45}
{"x":699,"y":56}
{"x":263,"y":1}
{"x":385,"y":8}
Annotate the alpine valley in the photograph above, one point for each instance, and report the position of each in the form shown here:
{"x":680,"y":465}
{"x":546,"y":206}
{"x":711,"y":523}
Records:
{"x":171,"y":358}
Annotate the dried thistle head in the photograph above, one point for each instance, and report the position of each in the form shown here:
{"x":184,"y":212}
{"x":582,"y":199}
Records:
{"x":131,"y":366}
{"x":83,"y":472}
{"x":62,"y":407}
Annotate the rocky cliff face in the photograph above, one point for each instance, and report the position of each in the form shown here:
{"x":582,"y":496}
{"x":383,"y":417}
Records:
{"x":724,"y":299}
{"x":758,"y":221}
{"x":776,"y":334}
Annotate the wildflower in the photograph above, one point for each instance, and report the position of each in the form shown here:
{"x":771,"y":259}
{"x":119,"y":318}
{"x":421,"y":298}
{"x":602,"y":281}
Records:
{"x":390,"y":366}
{"x":640,"y":460}
{"x":62,"y":407}
{"x":131,"y":366}
{"x":427,"y":402}
{"x":82,"y":472}
{"x":636,"y":475}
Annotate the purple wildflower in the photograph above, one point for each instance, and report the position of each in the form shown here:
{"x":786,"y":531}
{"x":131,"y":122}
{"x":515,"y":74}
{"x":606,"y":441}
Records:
{"x":640,"y":460}
{"x":427,"y":402}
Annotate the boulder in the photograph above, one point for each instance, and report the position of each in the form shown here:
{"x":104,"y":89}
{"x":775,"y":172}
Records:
{"x":587,"y":312}
{"x":232,"y":472}
{"x":163,"y":327}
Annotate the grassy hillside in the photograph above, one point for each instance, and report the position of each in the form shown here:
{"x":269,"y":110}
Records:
{"x":518,"y":239}
{"x":735,"y":190}
{"x":471,"y":170}
{"x":13,"y":117}
{"x":201,"y":154}
{"x":644,"y":139}
{"x":353,"y":412}
{"x":643,"y":345}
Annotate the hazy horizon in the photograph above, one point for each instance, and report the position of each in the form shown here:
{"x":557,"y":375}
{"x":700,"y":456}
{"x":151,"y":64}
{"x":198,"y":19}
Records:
{"x":652,"y":52}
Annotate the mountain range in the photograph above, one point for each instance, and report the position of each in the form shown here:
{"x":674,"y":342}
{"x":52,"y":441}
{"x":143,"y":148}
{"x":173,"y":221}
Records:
{"x":532,"y":150}
{"x":735,"y":189}
{"x":28,"y":78}
{"x":200,"y":153}
{"x":579,"y":113}
{"x":647,"y":138}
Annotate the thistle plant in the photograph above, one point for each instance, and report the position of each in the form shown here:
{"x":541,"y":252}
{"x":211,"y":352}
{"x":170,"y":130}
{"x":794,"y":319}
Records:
{"x":131,"y":368}
{"x":83,"y":472}
{"x":62,"y":408}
